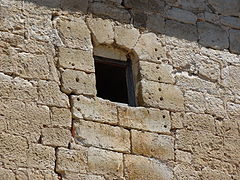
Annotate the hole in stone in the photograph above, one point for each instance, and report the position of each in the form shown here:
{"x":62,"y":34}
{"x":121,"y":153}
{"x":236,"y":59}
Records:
{"x":164,"y":116}
{"x":161,"y":98}
{"x":159,"y":78}
{"x":158,"y":58}
{"x":78,"y":109}
{"x":165,"y":126}
{"x":77,"y":79}
{"x":159,"y":89}
{"x":157,"y":67}
{"x":156,"y":49}
{"x":73,"y":64}
{"x":78,"y":99}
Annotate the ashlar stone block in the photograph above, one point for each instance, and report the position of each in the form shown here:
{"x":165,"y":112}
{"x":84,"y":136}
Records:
{"x":76,"y":59}
{"x":159,"y":95}
{"x":152,"y":145}
{"x":138,"y":167}
{"x":61,"y":117}
{"x":226,"y":7}
{"x":107,"y":163}
{"x":102,"y":135}
{"x":6,"y":174}
{"x":144,"y":119}
{"x":95,"y":109}
{"x":181,"y":15}
{"x":78,"y":82}
{"x":235,"y":41}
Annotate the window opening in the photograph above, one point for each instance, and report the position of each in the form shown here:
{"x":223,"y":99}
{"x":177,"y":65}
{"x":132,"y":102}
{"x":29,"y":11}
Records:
{"x":114,"y":80}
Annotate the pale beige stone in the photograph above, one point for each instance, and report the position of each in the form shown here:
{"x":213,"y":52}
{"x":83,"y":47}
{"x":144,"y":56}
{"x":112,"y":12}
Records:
{"x":78,"y":82}
{"x":76,"y":59}
{"x":102,"y":135}
{"x":144,"y":119}
{"x":215,"y":106}
{"x":165,"y":96}
{"x":110,"y":52}
{"x":75,"y":33}
{"x":107,"y":163}
{"x":56,"y":137}
{"x":149,"y":48}
{"x":142,"y":168}
{"x":49,"y":94}
{"x":183,"y":156}
{"x":177,"y":120}
{"x":6,"y":174}
{"x":95,"y":109}
{"x":156,"y":72}
{"x":61,"y":117}
{"x":71,"y":160}
{"x":185,"y":172}
{"x":41,"y":157}
{"x":152,"y":145}
{"x":102,"y":30}
{"x":212,"y":174}
{"x":71,"y":176}
{"x":195,"y":102}
{"x":126,"y":37}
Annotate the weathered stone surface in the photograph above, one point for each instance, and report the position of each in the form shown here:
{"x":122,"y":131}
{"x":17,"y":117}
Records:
{"x":177,"y":120}
{"x":126,"y":37}
{"x":76,"y":59}
{"x":70,"y":176}
{"x":165,"y":96}
{"x":152,"y":145}
{"x":61,"y":117}
{"x":6,"y":174}
{"x":215,"y":106}
{"x":234,"y":41}
{"x":78,"y":82}
{"x":75,"y":34}
{"x":181,"y":30}
{"x":94,"y":109}
{"x":102,"y":30}
{"x":41,"y":157}
{"x":208,"y":173}
{"x":193,"y":5}
{"x":110,"y":52}
{"x":230,"y":76}
{"x":116,"y":13}
{"x":139,"y":19}
{"x":49,"y":94}
{"x":233,"y":22}
{"x":75,"y":5}
{"x":144,"y":119}
{"x":102,"y":135}
{"x":149,"y":48}
{"x":138,"y":167}
{"x":226,"y":7}
{"x":212,"y":36}
{"x":156,"y":23}
{"x":181,"y":15}
{"x":183,"y":156}
{"x":156,"y":72}
{"x":56,"y":137}
{"x":71,"y":160}
{"x":194,"y":102}
{"x":107,"y":163}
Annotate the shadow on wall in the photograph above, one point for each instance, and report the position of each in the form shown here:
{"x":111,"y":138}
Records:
{"x":215,"y":23}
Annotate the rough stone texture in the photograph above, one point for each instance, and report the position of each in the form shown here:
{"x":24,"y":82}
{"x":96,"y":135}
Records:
{"x":234,"y":41}
{"x":78,"y":82}
{"x":152,"y":145}
{"x":181,"y":15}
{"x":61,"y":117}
{"x":102,"y":135}
{"x":138,"y":167}
{"x":156,"y":23}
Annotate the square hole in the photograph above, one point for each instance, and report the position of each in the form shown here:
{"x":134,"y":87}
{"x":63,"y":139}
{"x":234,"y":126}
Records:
{"x":114,"y":80}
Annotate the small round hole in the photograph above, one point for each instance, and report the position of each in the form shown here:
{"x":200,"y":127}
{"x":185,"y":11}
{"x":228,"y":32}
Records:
{"x":165,"y":126}
{"x":73,"y":64}
{"x":78,"y":99}
{"x":157,"y":67}
{"x":159,"y":78}
{"x":159,"y":89}
{"x":158,"y":58}
{"x":155,"y":49}
{"x":77,"y":79}
{"x":164,"y":116}
{"x":78,"y":109}
{"x":161,"y":98}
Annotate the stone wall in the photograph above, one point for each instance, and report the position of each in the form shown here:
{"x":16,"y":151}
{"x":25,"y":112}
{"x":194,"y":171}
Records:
{"x":186,"y":67}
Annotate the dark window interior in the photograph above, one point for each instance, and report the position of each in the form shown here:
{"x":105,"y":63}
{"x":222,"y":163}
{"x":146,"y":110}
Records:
{"x":114,"y":80}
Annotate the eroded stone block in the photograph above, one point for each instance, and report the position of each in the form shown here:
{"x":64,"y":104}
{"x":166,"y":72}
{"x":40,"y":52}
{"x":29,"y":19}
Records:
{"x":181,"y":15}
{"x":235,"y":41}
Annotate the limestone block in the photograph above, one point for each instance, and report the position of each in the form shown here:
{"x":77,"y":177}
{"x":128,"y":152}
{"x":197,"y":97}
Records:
{"x":138,"y":4}
{"x":156,"y":23}
{"x":13,"y":150}
{"x":232,"y":22}
{"x":212,"y":36}
{"x":117,"y":13}
{"x":110,"y":52}
{"x":61,"y":117}
{"x":56,"y":137}
{"x":177,"y":119}
{"x":75,"y":34}
{"x":156,"y":72}
{"x":144,"y":119}
{"x":156,"y":6}
{"x":181,"y":15}
{"x":164,"y":96}
{"x":41,"y":157}
{"x":17,"y":88}
{"x":102,"y":30}
{"x":193,"y":5}
{"x":234,"y":41}
{"x":71,"y":176}
{"x":78,"y":82}
{"x":226,"y":7}
{"x":102,"y":135}
{"x":211,"y":17}
{"x":230,"y":76}
{"x":181,"y":30}
{"x":71,"y":160}
{"x":6,"y":174}
{"x":183,"y":156}
{"x":107,"y":163}
{"x":139,"y":19}
{"x":231,"y":146}
{"x":126,"y":37}
{"x":184,"y":171}
{"x":75,"y":5}
{"x":149,"y":48}
{"x":94,"y":109}
{"x":215,"y":106}
{"x":76,"y":59}
{"x":208,"y":173}
{"x":49,"y":93}
{"x":152,"y":145}
{"x":138,"y":167}
{"x":194,"y":102}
